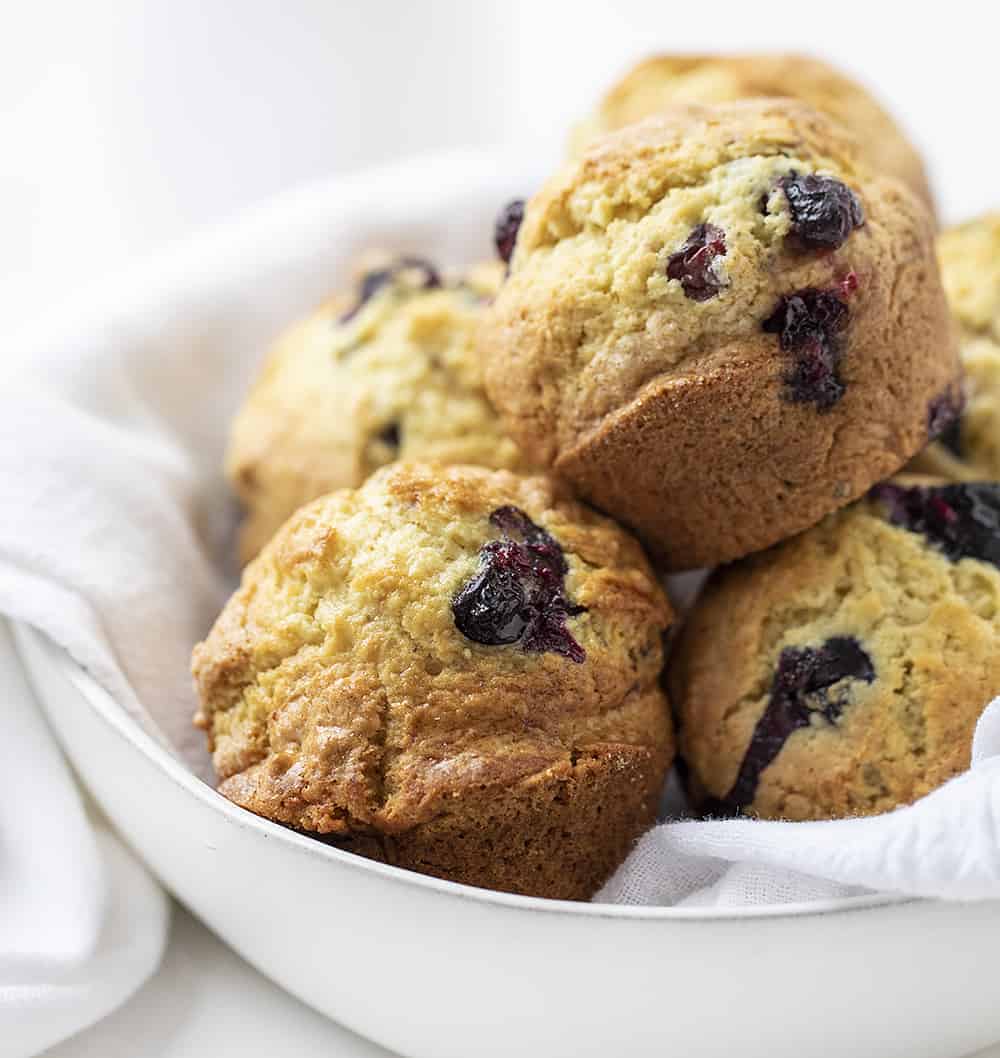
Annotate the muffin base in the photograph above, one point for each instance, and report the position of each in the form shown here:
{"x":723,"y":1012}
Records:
{"x":711,"y":503}
{"x":558,"y":834}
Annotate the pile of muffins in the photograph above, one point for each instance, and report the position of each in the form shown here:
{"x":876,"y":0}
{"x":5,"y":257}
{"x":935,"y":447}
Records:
{"x":710,"y":340}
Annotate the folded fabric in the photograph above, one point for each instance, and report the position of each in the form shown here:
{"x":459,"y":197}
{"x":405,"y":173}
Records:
{"x":82,"y":924}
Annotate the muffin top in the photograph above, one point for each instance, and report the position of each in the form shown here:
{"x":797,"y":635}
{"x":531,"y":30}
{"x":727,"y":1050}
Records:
{"x":664,"y":80}
{"x":386,"y":372}
{"x":706,"y":236}
{"x":970,"y":268}
{"x":434,"y":630}
{"x":843,"y":671}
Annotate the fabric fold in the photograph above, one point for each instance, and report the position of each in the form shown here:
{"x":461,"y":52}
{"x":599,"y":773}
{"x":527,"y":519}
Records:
{"x":82,"y":924}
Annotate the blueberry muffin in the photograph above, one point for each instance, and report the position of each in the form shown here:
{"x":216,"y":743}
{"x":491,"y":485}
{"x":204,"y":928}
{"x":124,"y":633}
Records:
{"x":969,"y":448}
{"x":719,"y":326}
{"x":450,"y":669}
{"x":388,"y":371}
{"x":664,"y":80}
{"x":842,"y":672}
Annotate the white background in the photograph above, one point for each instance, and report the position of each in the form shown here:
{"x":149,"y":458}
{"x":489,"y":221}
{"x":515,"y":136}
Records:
{"x":126,"y":125}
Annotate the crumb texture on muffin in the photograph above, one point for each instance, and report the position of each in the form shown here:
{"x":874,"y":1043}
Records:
{"x":662,"y":81}
{"x":969,"y":446}
{"x":843,"y":672}
{"x":341,"y":697}
{"x":970,"y":266}
{"x":388,"y":371}
{"x":720,"y":325}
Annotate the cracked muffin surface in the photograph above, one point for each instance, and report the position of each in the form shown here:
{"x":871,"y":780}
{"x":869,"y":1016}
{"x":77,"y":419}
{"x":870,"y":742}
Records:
{"x":842,"y":672}
{"x":969,"y":254}
{"x":662,"y":81}
{"x":388,"y":371}
{"x":720,"y":325}
{"x":346,"y":691}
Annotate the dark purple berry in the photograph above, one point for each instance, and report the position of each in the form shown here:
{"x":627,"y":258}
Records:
{"x":390,"y":435}
{"x":507,"y":226}
{"x":372,"y":282}
{"x":824,"y":211}
{"x":517,"y":595}
{"x":513,"y":522}
{"x":809,"y":682}
{"x":961,"y":521}
{"x":808,"y":325}
{"x":693,"y":263}
{"x":951,"y":438}
{"x":944,"y":419}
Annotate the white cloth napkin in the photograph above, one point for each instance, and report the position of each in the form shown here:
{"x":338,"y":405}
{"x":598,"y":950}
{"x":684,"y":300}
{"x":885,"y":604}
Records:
{"x":117,"y":526}
{"x":82,"y":925}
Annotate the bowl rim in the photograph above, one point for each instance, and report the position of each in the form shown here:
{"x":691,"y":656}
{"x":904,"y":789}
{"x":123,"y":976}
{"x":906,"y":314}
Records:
{"x":29,"y":639}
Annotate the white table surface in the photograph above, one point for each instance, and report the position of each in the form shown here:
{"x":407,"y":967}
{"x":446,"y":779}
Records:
{"x":129,"y":126}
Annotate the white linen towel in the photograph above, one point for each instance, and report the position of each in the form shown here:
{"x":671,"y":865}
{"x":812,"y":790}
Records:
{"x":82,"y":925}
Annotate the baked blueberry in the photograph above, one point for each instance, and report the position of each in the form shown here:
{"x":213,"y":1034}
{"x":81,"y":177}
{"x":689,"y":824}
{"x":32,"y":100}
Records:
{"x":810,"y":684}
{"x":943,"y":414}
{"x":824,"y":211}
{"x":508,"y":224}
{"x":422,"y":275}
{"x":809,"y":324}
{"x":518,"y":595}
{"x":694,"y":263}
{"x":390,"y":435}
{"x":951,"y":439}
{"x":960,"y":520}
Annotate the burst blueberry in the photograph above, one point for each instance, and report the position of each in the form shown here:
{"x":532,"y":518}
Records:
{"x":810,"y":684}
{"x":508,"y":224}
{"x":823,"y":210}
{"x":693,"y":264}
{"x":518,"y":593}
{"x":390,"y":435}
{"x":428,"y":278}
{"x":809,"y":324}
{"x":944,"y":419}
{"x":961,"y":521}
{"x":951,"y":438}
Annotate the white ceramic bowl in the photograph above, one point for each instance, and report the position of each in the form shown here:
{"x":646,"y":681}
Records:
{"x":432,"y":969}
{"x":437,"y":970}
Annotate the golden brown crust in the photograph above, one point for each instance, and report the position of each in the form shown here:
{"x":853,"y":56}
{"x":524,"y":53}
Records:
{"x":340,"y":698}
{"x":336,"y":399}
{"x":673,"y":414}
{"x":559,"y":833}
{"x":929,"y":626}
{"x":662,"y":81}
